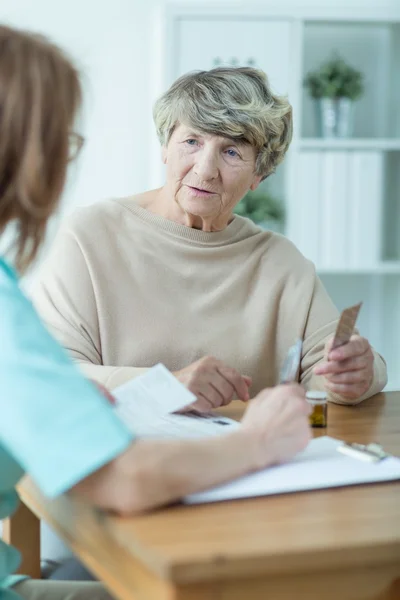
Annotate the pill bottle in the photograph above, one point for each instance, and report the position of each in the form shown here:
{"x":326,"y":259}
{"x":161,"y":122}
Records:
{"x":319,"y":402}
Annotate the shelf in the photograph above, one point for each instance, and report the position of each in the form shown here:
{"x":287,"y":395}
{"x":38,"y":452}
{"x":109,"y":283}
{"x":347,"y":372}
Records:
{"x":348,"y":144}
{"x":370,"y":48}
{"x":383,"y":268}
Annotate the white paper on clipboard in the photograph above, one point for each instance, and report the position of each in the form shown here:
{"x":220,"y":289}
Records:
{"x":319,"y":466}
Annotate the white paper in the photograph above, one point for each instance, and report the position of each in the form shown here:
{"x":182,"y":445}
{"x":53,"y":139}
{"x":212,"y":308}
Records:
{"x":173,"y":426}
{"x":319,"y":466}
{"x":146,"y":404}
{"x":156,"y":392}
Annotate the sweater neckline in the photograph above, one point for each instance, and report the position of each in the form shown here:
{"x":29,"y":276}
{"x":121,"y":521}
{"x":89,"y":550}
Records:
{"x":239,"y":228}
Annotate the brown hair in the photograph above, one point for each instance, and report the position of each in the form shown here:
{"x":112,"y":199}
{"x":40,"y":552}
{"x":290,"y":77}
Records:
{"x":40,"y":94}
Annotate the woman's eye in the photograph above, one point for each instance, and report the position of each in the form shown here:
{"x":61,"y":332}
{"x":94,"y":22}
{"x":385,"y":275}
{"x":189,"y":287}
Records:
{"x":191,"y":142}
{"x":232,"y":153}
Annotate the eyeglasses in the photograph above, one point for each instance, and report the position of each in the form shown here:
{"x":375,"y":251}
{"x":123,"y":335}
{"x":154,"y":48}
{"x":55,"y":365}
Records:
{"x":76,"y":142}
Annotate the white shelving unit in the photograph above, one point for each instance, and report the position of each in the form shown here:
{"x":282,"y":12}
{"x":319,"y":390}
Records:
{"x":385,"y":267}
{"x":342,"y":196}
{"x":384,"y":144}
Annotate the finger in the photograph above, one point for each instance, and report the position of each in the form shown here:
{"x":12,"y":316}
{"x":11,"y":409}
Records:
{"x":203,"y":404}
{"x":212,"y":395}
{"x":286,"y":391}
{"x":248,"y":380}
{"x":294,"y":396}
{"x":294,"y":389}
{"x":240,"y":386}
{"x":298,"y":405}
{"x":264,"y":394}
{"x":223,"y":388}
{"x":349,"y":378}
{"x":304,"y":406}
{"x":355,"y":347}
{"x":309,"y":408}
{"x":344,"y":389}
{"x":328,"y":347}
{"x":350,"y":364}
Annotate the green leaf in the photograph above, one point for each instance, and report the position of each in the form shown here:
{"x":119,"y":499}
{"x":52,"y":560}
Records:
{"x":261,"y":206}
{"x":335,"y":79}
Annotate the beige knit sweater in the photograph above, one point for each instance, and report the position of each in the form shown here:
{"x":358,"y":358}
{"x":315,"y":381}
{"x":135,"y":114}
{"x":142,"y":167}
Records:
{"x":124,"y":289}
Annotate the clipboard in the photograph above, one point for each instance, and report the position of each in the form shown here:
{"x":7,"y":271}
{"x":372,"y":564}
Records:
{"x":320,"y":466}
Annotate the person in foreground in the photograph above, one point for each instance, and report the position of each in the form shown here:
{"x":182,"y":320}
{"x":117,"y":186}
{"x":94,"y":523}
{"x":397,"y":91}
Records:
{"x":178,"y":278}
{"x":51,"y":416}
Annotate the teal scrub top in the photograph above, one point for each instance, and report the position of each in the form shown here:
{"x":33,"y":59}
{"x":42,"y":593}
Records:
{"x":54,"y":424}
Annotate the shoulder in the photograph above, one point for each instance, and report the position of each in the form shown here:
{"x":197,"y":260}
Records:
{"x":87,"y":218}
{"x":107,"y":221}
{"x":284,"y":256}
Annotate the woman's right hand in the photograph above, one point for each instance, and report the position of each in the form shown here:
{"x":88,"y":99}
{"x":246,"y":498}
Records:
{"x":213,"y":383}
{"x":278,"y":424}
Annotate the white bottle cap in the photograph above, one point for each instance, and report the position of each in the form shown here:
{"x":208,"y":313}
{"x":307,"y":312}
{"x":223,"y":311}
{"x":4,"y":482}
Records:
{"x":316,"y":397}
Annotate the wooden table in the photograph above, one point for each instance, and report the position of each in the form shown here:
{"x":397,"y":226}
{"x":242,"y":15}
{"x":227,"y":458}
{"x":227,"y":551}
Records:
{"x":331,"y":544}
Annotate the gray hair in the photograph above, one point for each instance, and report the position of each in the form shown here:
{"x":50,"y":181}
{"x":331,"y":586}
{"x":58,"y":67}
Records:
{"x":230,"y":102}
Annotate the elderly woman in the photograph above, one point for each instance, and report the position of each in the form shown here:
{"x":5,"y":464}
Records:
{"x":173,"y":276}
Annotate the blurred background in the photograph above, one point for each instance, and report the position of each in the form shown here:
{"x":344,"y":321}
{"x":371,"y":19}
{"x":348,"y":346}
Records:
{"x":337,"y":195}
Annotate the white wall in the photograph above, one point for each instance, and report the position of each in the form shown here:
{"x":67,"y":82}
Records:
{"x":109,"y":41}
{"x":296,"y":3}
{"x":113,"y":43}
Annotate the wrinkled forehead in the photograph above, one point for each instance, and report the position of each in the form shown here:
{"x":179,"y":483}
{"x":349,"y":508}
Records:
{"x":187,"y":129}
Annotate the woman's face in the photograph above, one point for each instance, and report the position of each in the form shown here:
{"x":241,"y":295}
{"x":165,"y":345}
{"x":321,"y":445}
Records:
{"x":207,"y":174}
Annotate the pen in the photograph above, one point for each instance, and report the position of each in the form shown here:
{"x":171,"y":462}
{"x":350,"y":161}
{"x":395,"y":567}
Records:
{"x":291,"y":364}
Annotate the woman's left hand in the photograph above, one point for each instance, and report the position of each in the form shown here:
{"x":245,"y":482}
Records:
{"x":348,"y":370}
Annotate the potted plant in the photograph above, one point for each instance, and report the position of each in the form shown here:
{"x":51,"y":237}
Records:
{"x":262,"y":208}
{"x":335,"y":86}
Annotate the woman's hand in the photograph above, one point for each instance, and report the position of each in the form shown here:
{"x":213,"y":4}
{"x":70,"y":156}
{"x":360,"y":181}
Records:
{"x":214,"y":383}
{"x":278,"y":421}
{"x":349,"y":369}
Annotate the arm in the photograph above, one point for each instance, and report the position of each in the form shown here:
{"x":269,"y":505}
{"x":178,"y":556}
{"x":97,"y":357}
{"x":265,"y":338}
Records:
{"x":152,"y":473}
{"x":65,"y":297}
{"x":320,"y":326}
